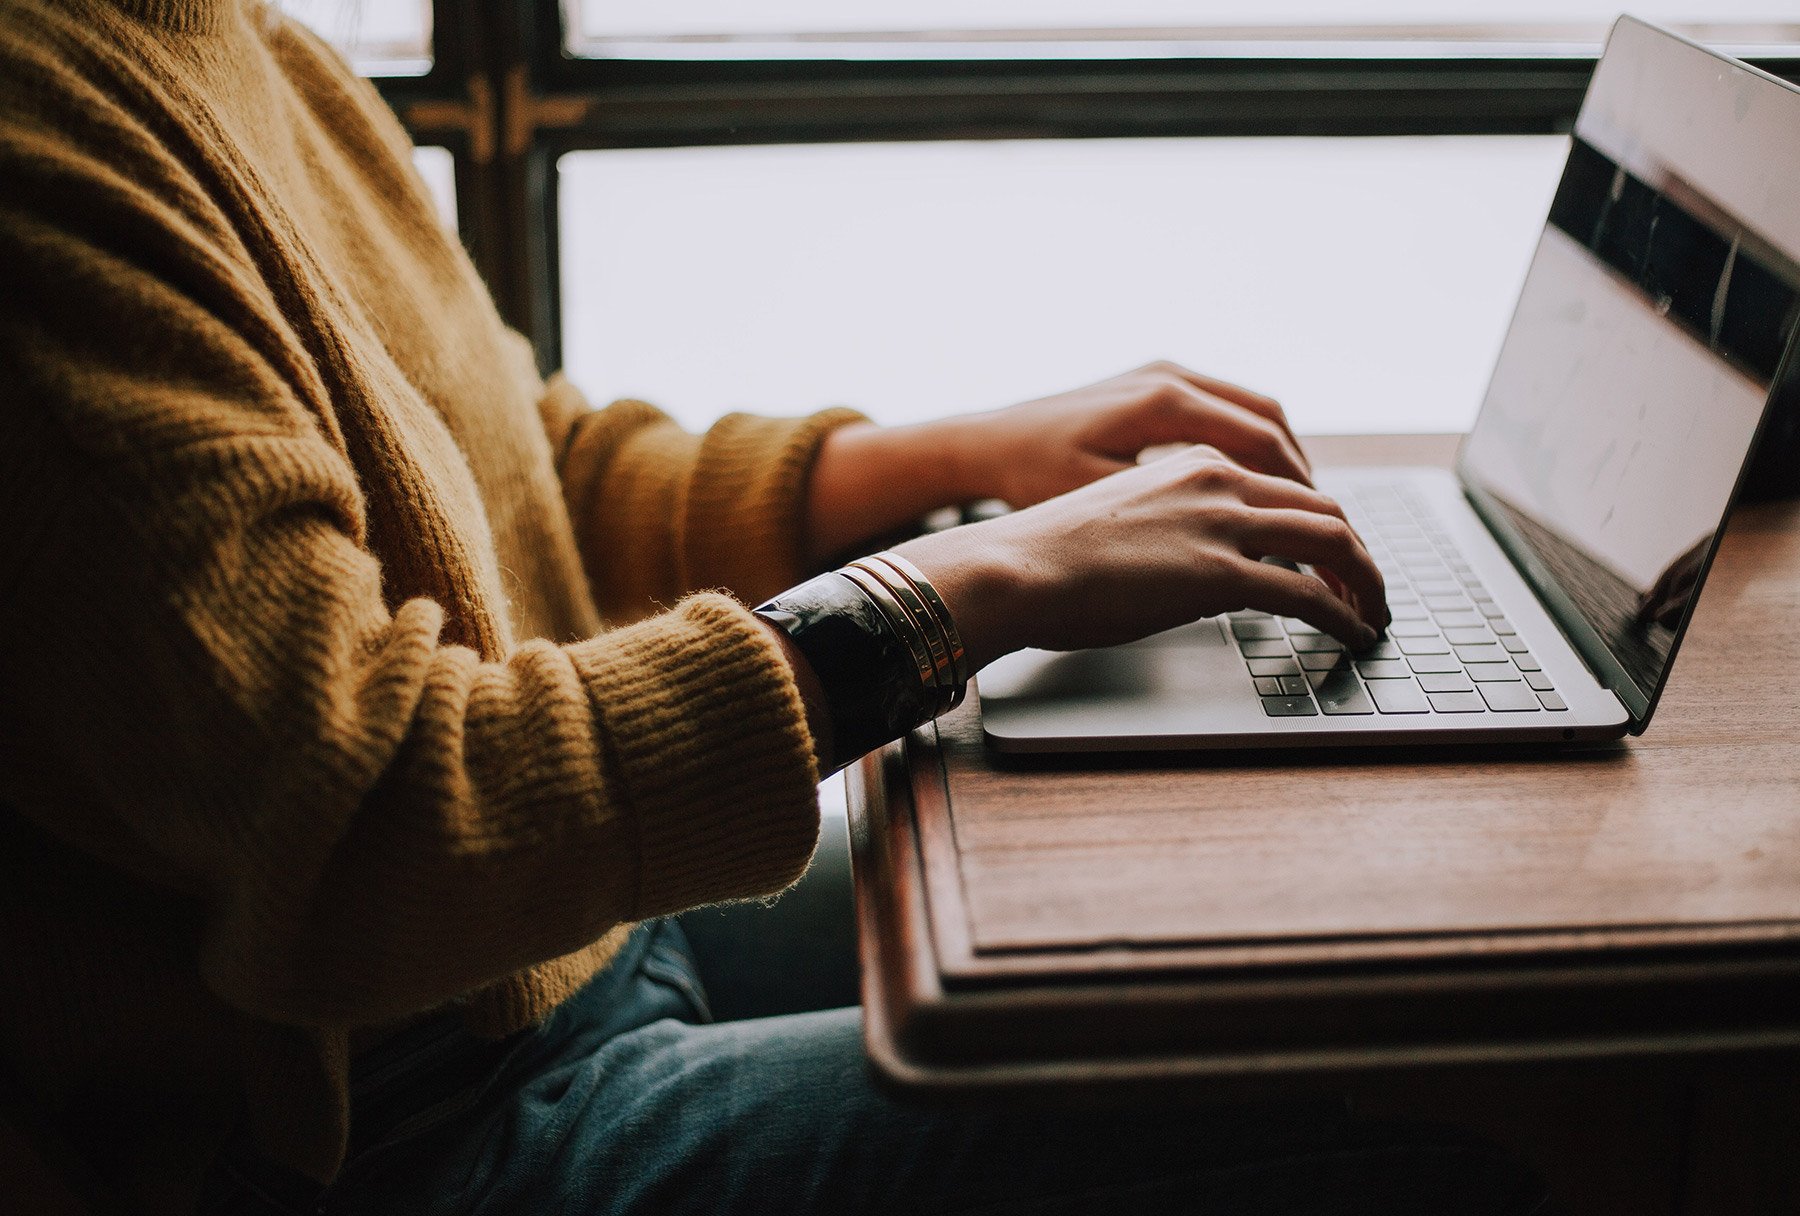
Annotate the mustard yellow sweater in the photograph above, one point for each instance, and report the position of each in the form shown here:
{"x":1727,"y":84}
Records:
{"x":307,"y":720}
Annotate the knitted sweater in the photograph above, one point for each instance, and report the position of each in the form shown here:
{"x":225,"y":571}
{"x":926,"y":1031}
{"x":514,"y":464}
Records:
{"x":307,"y":721}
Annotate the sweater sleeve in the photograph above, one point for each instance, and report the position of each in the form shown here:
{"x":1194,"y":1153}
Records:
{"x":660,"y":512}
{"x":207,"y":683}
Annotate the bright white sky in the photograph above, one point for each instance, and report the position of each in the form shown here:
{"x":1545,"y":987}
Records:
{"x":404,"y":26}
{"x":353,"y":23}
{"x":1365,"y":282}
{"x":614,"y":18}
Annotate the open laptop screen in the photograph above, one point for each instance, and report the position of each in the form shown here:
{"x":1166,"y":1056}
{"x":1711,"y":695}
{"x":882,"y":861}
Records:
{"x":1663,"y":295}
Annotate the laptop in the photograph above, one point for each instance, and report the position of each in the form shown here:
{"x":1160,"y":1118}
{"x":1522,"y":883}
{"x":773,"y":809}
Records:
{"x":1539,"y":591}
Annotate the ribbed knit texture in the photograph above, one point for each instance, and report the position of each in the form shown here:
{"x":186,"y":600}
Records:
{"x":307,"y":722}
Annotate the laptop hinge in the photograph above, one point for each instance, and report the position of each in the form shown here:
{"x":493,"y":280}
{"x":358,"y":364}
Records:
{"x":1581,"y":636}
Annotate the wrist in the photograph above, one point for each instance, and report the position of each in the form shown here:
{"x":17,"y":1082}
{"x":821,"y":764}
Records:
{"x":983,"y":584}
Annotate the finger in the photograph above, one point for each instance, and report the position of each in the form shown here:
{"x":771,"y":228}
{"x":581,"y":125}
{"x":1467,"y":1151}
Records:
{"x":1247,"y":437}
{"x":1261,"y":490}
{"x":1278,"y":492}
{"x":1285,"y":592}
{"x":1327,"y":542}
{"x":1256,"y":402}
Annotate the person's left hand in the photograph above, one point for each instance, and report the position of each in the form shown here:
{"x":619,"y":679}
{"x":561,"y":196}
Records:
{"x":1047,"y":447}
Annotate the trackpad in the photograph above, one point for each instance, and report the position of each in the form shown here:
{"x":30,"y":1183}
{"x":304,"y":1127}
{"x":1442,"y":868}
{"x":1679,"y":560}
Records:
{"x":1186,"y":661}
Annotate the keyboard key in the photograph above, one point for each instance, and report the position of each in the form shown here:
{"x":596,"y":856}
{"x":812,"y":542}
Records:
{"x":1491,"y":610}
{"x":1526,"y":662}
{"x":1315,"y":642}
{"x":1427,"y":663}
{"x":1249,"y":614}
{"x":1289,"y":707}
{"x":1461,"y":620}
{"x":1514,"y":643}
{"x":1320,"y":660}
{"x":1412,"y":629}
{"x":1274,"y":667}
{"x":1268,"y":686}
{"x":1449,"y":681}
{"x":1457,"y":702}
{"x":1384,"y":649}
{"x":1484,"y":673}
{"x":1264,"y":650}
{"x":1481,"y":654}
{"x":1340,"y":692}
{"x":1466,"y":636}
{"x":1439,"y":589}
{"x":1401,"y":595}
{"x":1539,"y":681}
{"x":1550,"y":700}
{"x":1473,"y":589}
{"x":1250,"y":631}
{"x":1431,"y":645}
{"x":1509,"y":698}
{"x":1384,"y":669}
{"x":1296,"y":626}
{"x":1500,"y":624}
{"x":1445,"y":603}
{"x":1397,"y":697}
{"x":1407,"y":612}
{"x":1292,"y":686}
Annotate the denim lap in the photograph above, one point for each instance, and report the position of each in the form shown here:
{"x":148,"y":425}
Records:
{"x":628,"y":1102}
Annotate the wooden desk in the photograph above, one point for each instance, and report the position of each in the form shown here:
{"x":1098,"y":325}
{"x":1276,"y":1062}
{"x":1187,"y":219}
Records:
{"x":1242,"y":922}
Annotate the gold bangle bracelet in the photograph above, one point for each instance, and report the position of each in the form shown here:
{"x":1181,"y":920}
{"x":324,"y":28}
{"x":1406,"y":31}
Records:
{"x":942,"y":688}
{"x":918,"y":630}
{"x":952,"y":640}
{"x":922,"y":616}
{"x":911,"y":586}
{"x":902,"y":623}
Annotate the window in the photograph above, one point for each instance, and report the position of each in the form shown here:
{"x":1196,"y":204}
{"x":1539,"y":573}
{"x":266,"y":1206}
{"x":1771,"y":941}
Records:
{"x":644,"y":186}
{"x":381,"y":37}
{"x":1366,"y":283}
{"x":987,"y":29}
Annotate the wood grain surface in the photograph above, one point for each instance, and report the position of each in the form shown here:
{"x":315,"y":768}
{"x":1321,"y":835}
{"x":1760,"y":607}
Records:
{"x":1691,"y":832}
{"x":1588,"y":956}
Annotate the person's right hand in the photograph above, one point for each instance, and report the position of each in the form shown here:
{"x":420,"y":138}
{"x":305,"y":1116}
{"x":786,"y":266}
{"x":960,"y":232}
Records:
{"x":1150,"y":548}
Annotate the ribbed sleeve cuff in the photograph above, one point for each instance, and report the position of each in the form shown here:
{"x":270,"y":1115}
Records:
{"x":747,"y":499}
{"x":706,"y":731}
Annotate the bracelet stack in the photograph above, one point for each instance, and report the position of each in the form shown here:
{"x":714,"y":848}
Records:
{"x":883,"y":646}
{"x":913,"y":608}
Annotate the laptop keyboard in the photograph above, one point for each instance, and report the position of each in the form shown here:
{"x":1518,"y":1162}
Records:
{"x":1450,"y":650}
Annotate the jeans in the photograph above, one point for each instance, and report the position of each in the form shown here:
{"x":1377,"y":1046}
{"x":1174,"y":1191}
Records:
{"x":629,"y":1099}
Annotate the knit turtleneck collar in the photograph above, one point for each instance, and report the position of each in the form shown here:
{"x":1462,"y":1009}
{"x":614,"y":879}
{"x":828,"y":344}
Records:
{"x":180,"y":16}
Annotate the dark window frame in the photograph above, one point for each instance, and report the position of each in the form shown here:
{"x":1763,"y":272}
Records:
{"x":507,"y":100}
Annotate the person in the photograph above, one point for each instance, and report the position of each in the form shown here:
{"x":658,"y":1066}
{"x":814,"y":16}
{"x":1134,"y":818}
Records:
{"x":338,"y":831}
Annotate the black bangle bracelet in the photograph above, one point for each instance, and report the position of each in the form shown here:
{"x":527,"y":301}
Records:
{"x":873,"y":694}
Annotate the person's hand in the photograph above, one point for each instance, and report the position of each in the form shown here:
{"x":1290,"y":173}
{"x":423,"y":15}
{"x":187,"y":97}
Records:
{"x":1149,"y":548}
{"x":868,"y":480}
{"x":1037,"y":450}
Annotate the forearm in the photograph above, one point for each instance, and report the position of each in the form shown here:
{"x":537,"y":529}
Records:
{"x":870,"y":480}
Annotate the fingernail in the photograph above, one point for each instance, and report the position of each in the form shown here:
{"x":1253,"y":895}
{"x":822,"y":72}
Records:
{"x":1368,"y":636}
